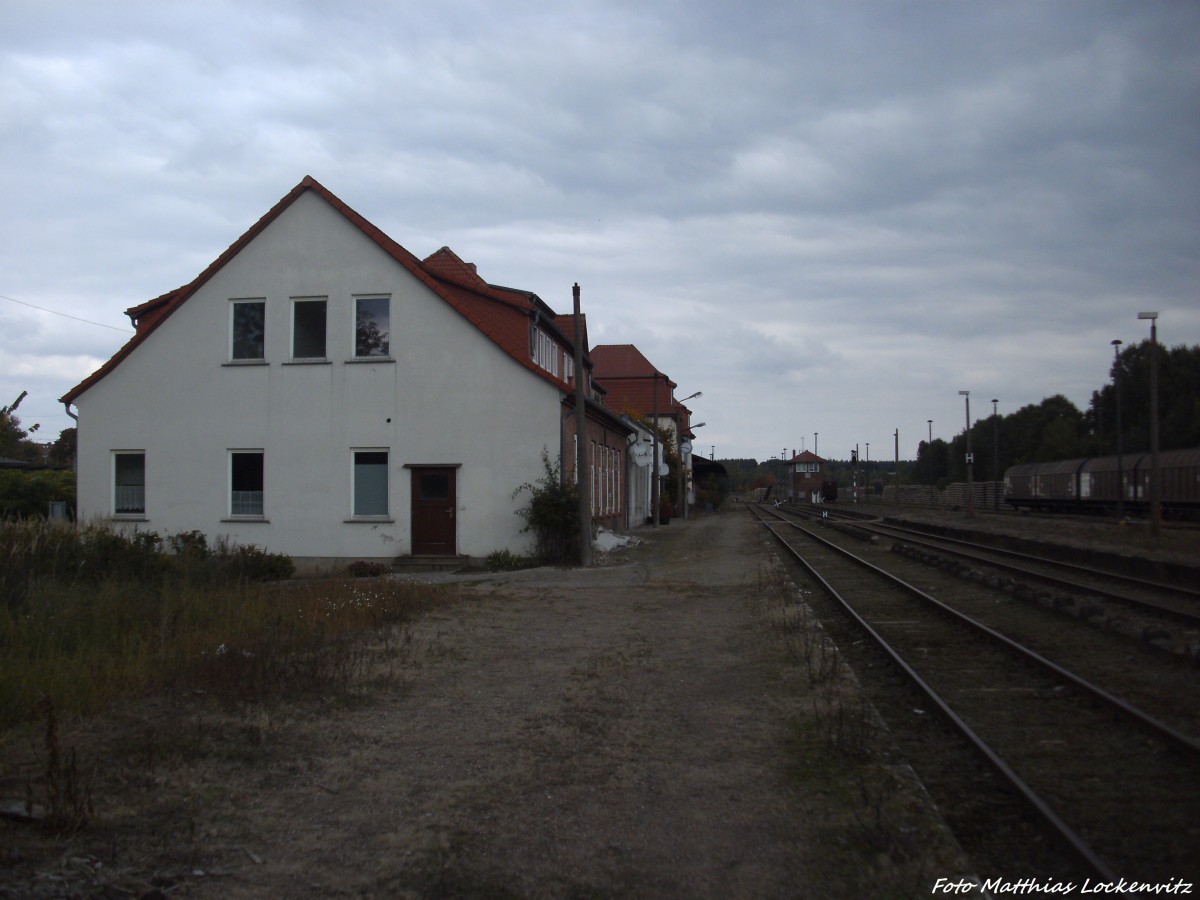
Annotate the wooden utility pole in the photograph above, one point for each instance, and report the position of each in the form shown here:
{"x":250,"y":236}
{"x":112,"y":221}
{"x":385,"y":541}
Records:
{"x":583,"y":481}
{"x":654,"y":458}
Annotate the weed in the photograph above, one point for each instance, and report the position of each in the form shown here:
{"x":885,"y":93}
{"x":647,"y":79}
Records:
{"x":361,"y":568}
{"x":506,"y":561}
{"x":68,"y":799}
{"x":190,"y":616}
{"x":552,"y":515}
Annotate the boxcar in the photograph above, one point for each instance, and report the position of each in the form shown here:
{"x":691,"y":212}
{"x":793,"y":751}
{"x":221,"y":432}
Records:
{"x":1081,"y":485}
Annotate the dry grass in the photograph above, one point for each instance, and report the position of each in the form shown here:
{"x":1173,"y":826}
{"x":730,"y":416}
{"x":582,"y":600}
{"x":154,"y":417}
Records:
{"x":84,"y":649}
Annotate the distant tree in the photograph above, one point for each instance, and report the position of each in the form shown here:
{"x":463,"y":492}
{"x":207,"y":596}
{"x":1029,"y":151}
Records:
{"x":14,"y":440}
{"x":63,"y":451}
{"x":1051,"y":430}
{"x":935,"y":456}
{"x":742,"y":473}
{"x":1178,"y":401}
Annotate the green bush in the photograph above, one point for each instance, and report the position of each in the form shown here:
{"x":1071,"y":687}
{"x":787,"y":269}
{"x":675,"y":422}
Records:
{"x":552,"y":515}
{"x":27,"y":494}
{"x":33,"y":551}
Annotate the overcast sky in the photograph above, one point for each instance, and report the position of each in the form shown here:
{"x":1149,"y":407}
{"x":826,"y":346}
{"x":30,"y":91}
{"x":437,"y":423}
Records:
{"x":828,"y":217}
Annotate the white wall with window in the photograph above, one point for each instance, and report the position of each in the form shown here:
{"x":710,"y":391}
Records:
{"x":229,"y":436}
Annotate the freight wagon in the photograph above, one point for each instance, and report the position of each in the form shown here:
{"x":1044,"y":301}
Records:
{"x":1082,"y":485}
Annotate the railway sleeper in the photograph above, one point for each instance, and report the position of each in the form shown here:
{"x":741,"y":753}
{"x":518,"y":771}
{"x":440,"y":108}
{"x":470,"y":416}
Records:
{"x":1090,"y":610}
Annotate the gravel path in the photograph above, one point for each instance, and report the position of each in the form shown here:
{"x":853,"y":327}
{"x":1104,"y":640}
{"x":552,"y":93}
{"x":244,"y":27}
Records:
{"x":642,"y":728}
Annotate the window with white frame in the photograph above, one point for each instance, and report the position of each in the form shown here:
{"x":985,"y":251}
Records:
{"x":544,"y":351}
{"x":308,"y":327}
{"x":129,"y":483}
{"x":602,"y":481}
{"x":372,"y":327}
{"x":248,"y":330}
{"x":594,"y":478}
{"x":370,"y":483}
{"x":246,"y":483}
{"x":608,"y":492}
{"x":617,"y":505}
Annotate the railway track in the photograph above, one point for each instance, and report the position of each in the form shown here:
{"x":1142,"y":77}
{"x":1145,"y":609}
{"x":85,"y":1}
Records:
{"x":1154,"y":600}
{"x":1108,"y":756}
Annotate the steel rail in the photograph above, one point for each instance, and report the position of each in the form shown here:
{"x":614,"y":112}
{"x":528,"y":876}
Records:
{"x":1061,"y":828}
{"x":1163,"y":731}
{"x":928,"y":540}
{"x":1075,"y":567}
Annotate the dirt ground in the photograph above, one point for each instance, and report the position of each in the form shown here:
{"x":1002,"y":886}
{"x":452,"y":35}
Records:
{"x":648,"y":727}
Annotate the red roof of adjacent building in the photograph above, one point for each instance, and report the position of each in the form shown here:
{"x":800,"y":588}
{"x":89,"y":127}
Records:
{"x":806,"y":456}
{"x":631,"y":380}
{"x":503,"y":314}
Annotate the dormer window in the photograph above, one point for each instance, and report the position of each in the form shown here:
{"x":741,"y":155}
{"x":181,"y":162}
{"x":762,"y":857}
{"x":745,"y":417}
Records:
{"x":545,"y":352}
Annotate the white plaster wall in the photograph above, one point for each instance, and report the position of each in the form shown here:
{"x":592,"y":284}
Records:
{"x":450,"y":397}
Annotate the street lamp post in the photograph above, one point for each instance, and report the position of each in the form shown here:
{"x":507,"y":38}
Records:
{"x":682,"y":480}
{"x":688,"y":448}
{"x":995,"y":457}
{"x":930,"y":453}
{"x":1155,"y":487}
{"x":897,"y":451}
{"x":970,"y":460}
{"x":1116,"y":344}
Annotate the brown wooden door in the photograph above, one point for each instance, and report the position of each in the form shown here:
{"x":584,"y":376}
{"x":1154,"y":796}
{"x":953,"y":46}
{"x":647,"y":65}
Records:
{"x":433,"y":512}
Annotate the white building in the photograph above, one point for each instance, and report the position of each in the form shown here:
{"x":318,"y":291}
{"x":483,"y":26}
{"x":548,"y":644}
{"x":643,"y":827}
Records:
{"x":319,"y":391}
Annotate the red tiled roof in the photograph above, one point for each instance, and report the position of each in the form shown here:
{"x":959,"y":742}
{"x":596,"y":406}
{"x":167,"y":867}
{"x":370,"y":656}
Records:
{"x":502,"y":314}
{"x":807,"y":456}
{"x":566,"y":324}
{"x":631,"y":379}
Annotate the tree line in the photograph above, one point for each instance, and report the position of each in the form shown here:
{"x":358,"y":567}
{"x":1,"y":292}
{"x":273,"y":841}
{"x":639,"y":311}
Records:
{"x":1054,"y":429}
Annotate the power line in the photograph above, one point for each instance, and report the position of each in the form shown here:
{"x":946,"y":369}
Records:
{"x":66,"y":315}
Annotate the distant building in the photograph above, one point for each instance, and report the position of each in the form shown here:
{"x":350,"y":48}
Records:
{"x":808,"y":476}
{"x":634,"y":386}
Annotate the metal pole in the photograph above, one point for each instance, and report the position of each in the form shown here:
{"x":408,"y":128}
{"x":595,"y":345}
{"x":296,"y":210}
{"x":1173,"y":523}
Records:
{"x":897,"y":467}
{"x":582,"y":479}
{"x":1120,"y":463}
{"x":680,"y":498}
{"x":1155,"y":487}
{"x":970,"y":462}
{"x":995,"y":457}
{"x":815,"y":433}
{"x":930,"y":422}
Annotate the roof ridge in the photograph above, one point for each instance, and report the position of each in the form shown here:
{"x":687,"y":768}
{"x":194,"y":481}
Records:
{"x":166,"y":304}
